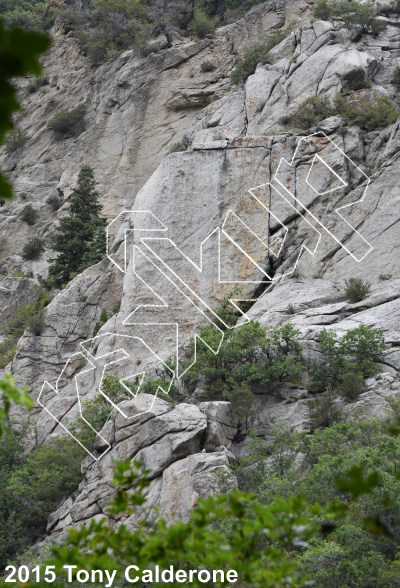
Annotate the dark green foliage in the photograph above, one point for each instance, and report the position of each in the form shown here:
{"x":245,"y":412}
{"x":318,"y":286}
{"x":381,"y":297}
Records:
{"x":353,"y":353}
{"x":323,"y":10}
{"x":102,"y":321}
{"x":19,"y":52}
{"x":252,"y":56}
{"x":325,"y":409}
{"x":49,"y":475}
{"x":396,"y":76}
{"x":81,"y":237}
{"x":33,"y":248}
{"x":207,"y":66}
{"x":202,"y":25}
{"x":310,"y":112}
{"x":354,"y":15}
{"x":15,"y":140}
{"x":12,"y":537}
{"x":351,"y":385}
{"x":68,"y":123}
{"x":29,"y":215}
{"x":347,"y":556}
{"x":36,"y":84}
{"x":357,"y":289}
{"x":28,"y":316}
{"x":242,"y":399}
{"x":248,"y":355}
{"x":177,"y":147}
{"x":54,"y":202}
{"x":367,"y":113}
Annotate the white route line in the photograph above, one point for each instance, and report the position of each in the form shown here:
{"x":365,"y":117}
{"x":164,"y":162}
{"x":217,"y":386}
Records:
{"x":145,"y":241}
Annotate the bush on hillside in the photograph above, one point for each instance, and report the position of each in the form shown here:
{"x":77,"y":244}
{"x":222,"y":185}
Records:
{"x":36,"y":84}
{"x":207,"y":66}
{"x":357,"y":289}
{"x":249,"y":355}
{"x":33,"y":248}
{"x":256,"y":53}
{"x":368,"y":113}
{"x":353,"y":14}
{"x":325,"y":409}
{"x":15,"y":140}
{"x":202,"y":26}
{"x":68,"y":123}
{"x":29,"y":215}
{"x":353,"y":353}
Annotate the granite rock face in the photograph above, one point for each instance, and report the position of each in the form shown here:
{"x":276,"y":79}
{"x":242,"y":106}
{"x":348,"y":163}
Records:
{"x":288,"y":216}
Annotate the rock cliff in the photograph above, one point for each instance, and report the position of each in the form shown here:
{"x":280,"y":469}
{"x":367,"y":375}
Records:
{"x":248,"y":203}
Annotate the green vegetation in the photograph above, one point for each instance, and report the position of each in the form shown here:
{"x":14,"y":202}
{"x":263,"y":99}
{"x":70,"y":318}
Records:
{"x":273,"y":536}
{"x":33,"y":248}
{"x":353,"y":353}
{"x":81,"y":237}
{"x":202,"y":26}
{"x":101,"y":322}
{"x":37,"y":84}
{"x":347,"y":555}
{"x":29,"y":215}
{"x":68,"y":123}
{"x":360,"y":17}
{"x":15,"y":140}
{"x":54,"y":202}
{"x":252,"y":56}
{"x":10,"y":393}
{"x":369,"y":114}
{"x":357,"y":289}
{"x":396,"y":76}
{"x":177,"y":147}
{"x":248,"y":355}
{"x":207,"y":66}
{"x":19,"y":56}
{"x":28,"y":316}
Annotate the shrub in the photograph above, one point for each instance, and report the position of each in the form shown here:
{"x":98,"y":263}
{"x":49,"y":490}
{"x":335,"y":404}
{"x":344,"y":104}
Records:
{"x":323,"y":10}
{"x":248,"y":354}
{"x":396,"y":76}
{"x":102,"y":321}
{"x":351,"y":385}
{"x":151,"y":48}
{"x":54,"y":202}
{"x":354,"y":15}
{"x":207,"y":66}
{"x":352,"y":353}
{"x":357,"y":289}
{"x":369,"y":114}
{"x":252,"y":56}
{"x":15,"y":140}
{"x":68,"y":123}
{"x":242,"y":399}
{"x":33,"y":248}
{"x":325,"y":410}
{"x":310,"y":112}
{"x":29,"y":215}
{"x":177,"y":147}
{"x":202,"y":26}
{"x":36,"y":84}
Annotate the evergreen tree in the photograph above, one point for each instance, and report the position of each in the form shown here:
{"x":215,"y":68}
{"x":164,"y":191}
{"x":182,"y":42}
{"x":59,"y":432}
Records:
{"x":81,"y":237}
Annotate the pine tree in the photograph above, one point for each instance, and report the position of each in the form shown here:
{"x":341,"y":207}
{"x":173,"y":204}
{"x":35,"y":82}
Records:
{"x":81,"y":237}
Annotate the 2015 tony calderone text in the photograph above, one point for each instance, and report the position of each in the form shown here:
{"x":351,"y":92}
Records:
{"x":132,"y":574}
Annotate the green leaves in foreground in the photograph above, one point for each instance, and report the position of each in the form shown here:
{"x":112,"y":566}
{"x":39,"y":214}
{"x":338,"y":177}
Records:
{"x":229,"y":532}
{"x":19,"y":51}
{"x":11,"y":393}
